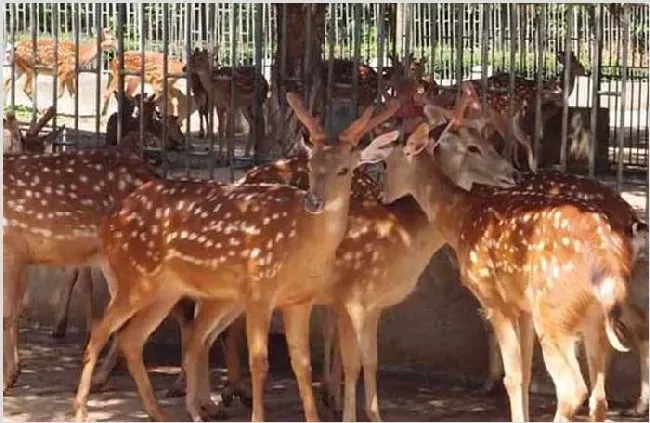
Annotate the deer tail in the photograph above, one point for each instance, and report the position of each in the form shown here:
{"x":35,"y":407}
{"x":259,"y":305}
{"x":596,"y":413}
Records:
{"x":611,"y":292}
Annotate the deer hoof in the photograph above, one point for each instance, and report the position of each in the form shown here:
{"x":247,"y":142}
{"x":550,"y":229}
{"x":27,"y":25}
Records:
{"x":244,"y":396}
{"x":175,"y":392}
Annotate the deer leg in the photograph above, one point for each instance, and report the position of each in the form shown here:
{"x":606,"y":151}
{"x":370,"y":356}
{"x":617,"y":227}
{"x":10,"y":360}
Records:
{"x":62,"y":315}
{"x":231,"y":352}
{"x":181,"y":313}
{"x":28,"y":88}
{"x":253,"y":132}
{"x":350,"y":356}
{"x":204,"y":399}
{"x":258,"y":319}
{"x":108,"y":92}
{"x":642,"y":403}
{"x":13,"y":290}
{"x":508,"y":337}
{"x":597,"y":351}
{"x":119,"y":310}
{"x":328,"y":327}
{"x":369,"y":361}
{"x":296,"y":323}
{"x":561,"y":362}
{"x":495,"y":365}
{"x":527,"y":341}
{"x":131,"y":340}
{"x":336,"y":375}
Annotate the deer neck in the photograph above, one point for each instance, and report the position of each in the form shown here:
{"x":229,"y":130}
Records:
{"x":444,"y":203}
{"x":87,"y":52}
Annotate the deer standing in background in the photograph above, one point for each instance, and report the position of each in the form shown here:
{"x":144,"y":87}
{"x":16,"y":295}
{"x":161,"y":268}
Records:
{"x":219,"y":83}
{"x":25,"y":62}
{"x":153,"y":75}
{"x":546,"y":264}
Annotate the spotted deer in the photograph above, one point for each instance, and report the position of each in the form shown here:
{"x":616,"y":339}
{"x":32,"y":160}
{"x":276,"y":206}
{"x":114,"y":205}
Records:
{"x":52,"y":208}
{"x":255,"y":240}
{"x":153,"y":75}
{"x":219,"y":82}
{"x":546,"y":264}
{"x":617,"y":209}
{"x":25,"y":61}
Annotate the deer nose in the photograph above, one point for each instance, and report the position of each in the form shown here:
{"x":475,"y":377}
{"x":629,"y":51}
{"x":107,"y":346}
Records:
{"x":314,"y":204}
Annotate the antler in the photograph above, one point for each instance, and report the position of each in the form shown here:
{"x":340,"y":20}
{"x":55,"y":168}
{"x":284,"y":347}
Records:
{"x":36,"y":127}
{"x":315,"y":129}
{"x":365,"y":124}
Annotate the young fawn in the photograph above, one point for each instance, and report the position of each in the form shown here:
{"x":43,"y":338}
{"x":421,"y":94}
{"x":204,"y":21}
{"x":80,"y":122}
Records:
{"x":538,"y":263}
{"x":169,"y":239}
{"x":52,"y":207}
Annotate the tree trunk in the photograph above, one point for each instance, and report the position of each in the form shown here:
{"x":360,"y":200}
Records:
{"x":294,"y":76}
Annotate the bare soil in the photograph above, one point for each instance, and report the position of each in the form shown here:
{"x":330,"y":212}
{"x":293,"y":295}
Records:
{"x":45,"y":390}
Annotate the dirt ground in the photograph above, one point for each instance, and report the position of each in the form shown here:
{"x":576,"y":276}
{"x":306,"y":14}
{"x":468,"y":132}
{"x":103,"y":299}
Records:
{"x":51,"y":369}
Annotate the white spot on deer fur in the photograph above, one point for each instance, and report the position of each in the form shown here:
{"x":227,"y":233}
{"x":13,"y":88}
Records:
{"x":473,"y":257}
{"x":266,"y":221}
{"x":279,"y":236}
{"x":234,"y":242}
{"x":209,"y":243}
{"x":184,"y":234}
{"x":255,"y":252}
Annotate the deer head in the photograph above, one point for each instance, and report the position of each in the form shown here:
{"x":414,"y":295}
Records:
{"x":452,"y":141}
{"x":108,"y":40}
{"x":325,"y":185}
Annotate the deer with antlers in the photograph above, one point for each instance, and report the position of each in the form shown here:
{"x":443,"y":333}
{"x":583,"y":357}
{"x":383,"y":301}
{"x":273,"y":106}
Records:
{"x":202,"y":231}
{"x":219,"y":83}
{"x":538,"y":263}
{"x":17,"y":142}
{"x":25,"y":60}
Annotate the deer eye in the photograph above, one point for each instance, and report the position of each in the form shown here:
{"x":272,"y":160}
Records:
{"x":474,"y":149}
{"x":343,"y":171}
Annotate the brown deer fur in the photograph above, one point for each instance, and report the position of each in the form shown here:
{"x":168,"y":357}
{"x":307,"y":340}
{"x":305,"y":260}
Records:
{"x":199,"y":232}
{"x":548,"y":264}
{"x":25,"y":61}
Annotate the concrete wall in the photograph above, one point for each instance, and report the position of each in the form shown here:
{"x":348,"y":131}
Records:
{"x":438,"y":328}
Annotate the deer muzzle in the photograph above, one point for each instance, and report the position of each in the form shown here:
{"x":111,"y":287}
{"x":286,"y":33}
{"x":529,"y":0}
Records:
{"x":314,"y":204}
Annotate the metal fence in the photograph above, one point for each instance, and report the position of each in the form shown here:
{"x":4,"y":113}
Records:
{"x":459,"y":41}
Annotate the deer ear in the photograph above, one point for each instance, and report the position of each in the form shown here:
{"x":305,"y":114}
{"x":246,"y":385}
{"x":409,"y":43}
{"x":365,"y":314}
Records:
{"x":379,"y":149}
{"x":437,"y":115}
{"x":417,"y":141}
{"x":304,"y":149}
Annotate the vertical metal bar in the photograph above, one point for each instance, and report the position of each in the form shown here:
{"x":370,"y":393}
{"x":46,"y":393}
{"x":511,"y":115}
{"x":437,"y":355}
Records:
{"x":330,"y":73}
{"x":120,"y":72}
{"x":355,"y":61}
{"x":565,"y":92}
{"x":77,"y":24}
{"x":212,"y":51}
{"x":34,"y":30}
{"x":595,"y":98}
{"x":188,"y":75}
{"x":55,"y":29}
{"x":381,"y":36}
{"x":233,"y":92}
{"x":511,"y":74}
{"x":406,"y":27}
{"x":539,"y":77}
{"x":460,"y":8}
{"x":259,"y":45}
{"x":485,"y":34}
{"x":142,"y":80}
{"x":283,"y":66}
{"x":624,"y":70}
{"x":13,"y":47}
{"x":307,"y":63}
{"x":165,"y":82}
{"x":433,"y":40}
{"x":98,"y":68}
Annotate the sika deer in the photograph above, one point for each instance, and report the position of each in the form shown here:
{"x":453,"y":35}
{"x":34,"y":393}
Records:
{"x":202,"y":231}
{"x":219,"y":82}
{"x":153,"y":74}
{"x":382,"y":255}
{"x":52,"y":208}
{"x":25,"y":61}
{"x":535,"y":261}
